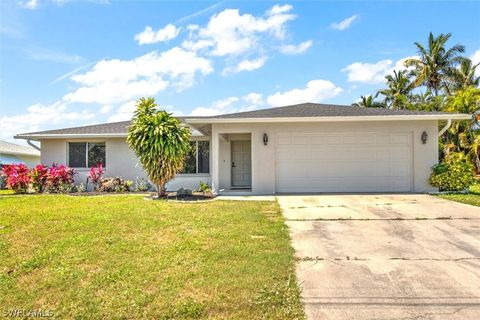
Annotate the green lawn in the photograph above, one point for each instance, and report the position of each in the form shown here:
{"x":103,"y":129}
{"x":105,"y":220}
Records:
{"x":119,"y":257}
{"x":5,"y":192}
{"x":473,"y":199}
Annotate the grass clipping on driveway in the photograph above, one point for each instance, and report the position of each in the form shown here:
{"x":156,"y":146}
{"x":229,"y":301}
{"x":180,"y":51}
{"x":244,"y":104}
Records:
{"x":124,"y":257}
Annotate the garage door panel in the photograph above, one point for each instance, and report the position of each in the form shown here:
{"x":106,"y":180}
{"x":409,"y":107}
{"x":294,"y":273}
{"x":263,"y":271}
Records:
{"x":338,"y":185}
{"x":343,"y":162}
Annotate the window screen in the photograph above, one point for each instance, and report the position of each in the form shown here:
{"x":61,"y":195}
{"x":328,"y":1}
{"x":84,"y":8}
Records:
{"x":77,"y":154}
{"x":96,"y":154}
{"x":203,"y":157}
{"x":190,"y":165}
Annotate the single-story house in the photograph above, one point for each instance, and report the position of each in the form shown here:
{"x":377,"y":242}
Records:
{"x":294,"y":149}
{"x":13,"y":153}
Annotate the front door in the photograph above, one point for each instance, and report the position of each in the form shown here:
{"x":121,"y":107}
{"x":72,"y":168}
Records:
{"x":241,"y":164}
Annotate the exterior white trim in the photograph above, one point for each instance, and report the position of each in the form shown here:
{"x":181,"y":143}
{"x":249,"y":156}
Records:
{"x":70,"y":136}
{"x":456,"y":116}
{"x":81,"y":136}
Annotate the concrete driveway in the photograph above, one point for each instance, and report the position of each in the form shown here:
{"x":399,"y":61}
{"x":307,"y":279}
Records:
{"x":386,"y":256}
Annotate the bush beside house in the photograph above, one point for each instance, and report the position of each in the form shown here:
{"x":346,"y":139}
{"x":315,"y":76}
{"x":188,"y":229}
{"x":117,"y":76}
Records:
{"x":61,"y":179}
{"x":455,"y":173}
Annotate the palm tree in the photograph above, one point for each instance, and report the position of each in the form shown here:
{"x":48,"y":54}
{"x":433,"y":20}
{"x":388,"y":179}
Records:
{"x":368,"y":102}
{"x":427,"y":101}
{"x":435,"y":61}
{"x":399,"y":88}
{"x":463,"y":76}
{"x":159,"y":141}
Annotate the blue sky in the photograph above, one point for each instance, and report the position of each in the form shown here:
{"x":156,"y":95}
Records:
{"x":66,"y":63}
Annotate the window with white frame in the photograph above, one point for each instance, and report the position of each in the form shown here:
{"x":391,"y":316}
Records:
{"x":198,"y":159}
{"x":86,"y":154}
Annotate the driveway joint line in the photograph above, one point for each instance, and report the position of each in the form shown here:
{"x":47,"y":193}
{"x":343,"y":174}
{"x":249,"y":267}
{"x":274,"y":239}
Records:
{"x":379,"y":219}
{"x":307,"y":258}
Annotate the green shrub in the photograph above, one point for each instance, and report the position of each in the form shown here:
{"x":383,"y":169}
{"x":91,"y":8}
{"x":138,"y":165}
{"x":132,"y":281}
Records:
{"x":204,"y":188}
{"x":454,"y":173}
{"x":474,"y":189}
{"x":142,"y":185}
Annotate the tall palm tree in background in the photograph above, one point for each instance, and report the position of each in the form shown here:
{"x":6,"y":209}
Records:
{"x":462,"y":77}
{"x":399,"y":88}
{"x":435,"y":61}
{"x":368,"y":102}
{"x":426,"y":101}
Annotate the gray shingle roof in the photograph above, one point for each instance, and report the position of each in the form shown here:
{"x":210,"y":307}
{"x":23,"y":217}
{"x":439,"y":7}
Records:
{"x":104,"y":128}
{"x":12,"y":148}
{"x":320,"y":110}
{"x":300,"y":110}
{"x":113,"y":128}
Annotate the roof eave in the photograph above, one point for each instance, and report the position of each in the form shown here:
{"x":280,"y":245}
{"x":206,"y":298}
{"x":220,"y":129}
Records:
{"x":458,"y":116}
{"x":42,"y":136}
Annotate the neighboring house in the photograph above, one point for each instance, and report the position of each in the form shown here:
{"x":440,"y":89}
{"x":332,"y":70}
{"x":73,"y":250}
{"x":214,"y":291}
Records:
{"x":14,"y":153}
{"x":301,"y":148}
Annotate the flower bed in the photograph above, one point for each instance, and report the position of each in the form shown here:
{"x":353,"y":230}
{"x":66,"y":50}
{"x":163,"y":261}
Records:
{"x":40,"y":179}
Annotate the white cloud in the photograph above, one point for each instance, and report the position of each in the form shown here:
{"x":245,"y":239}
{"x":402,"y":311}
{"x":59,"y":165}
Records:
{"x":31,"y":4}
{"x":72,"y":72}
{"x":232,"y":33}
{"x":476,"y":59}
{"x":117,"y":81}
{"x":105,"y":109}
{"x":368,"y":72}
{"x":279,"y":9}
{"x":344,"y":24}
{"x":230,"y":105}
{"x":296,"y":49}
{"x":247,"y":65}
{"x":373,"y":72}
{"x":124,"y":112}
{"x":315,"y":91}
{"x":148,"y":36}
{"x":253,"y":98}
{"x":39,"y":117}
{"x":116,"y":92}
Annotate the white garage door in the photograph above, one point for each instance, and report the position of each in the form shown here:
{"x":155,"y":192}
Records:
{"x":344,"y":162}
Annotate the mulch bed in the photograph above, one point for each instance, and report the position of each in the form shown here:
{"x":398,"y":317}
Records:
{"x":196,"y":196}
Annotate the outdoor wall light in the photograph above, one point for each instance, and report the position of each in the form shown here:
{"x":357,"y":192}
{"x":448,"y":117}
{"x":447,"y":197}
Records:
{"x":424,"y":137}
{"x":265,"y":139}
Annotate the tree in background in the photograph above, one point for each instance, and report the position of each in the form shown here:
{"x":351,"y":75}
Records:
{"x":435,"y":61}
{"x":399,"y":88}
{"x":462,"y":77}
{"x":160,"y":142}
{"x":426,"y":101}
{"x":368,"y":102}
{"x":463,"y":136}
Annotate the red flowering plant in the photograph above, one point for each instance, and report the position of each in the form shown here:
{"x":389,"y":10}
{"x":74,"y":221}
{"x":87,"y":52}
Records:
{"x":95,"y":175}
{"x":17,"y":177}
{"x":39,"y":177}
{"x":60,"y":178}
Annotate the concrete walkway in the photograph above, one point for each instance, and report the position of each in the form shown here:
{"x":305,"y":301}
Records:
{"x":386,"y":256}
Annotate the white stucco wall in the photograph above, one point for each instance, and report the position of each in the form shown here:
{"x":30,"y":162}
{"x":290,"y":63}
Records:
{"x":263,"y":157}
{"x":120,"y":161}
